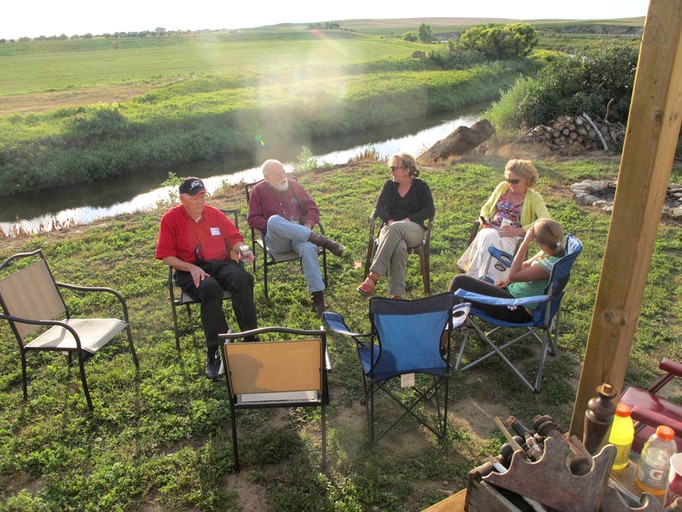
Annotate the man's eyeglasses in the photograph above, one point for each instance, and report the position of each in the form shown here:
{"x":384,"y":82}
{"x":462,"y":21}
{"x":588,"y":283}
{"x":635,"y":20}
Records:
{"x":395,"y":168}
{"x":514,"y":181}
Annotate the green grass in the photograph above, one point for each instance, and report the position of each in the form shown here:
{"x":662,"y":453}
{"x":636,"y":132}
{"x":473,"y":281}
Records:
{"x":159,"y":439}
{"x":56,"y":65}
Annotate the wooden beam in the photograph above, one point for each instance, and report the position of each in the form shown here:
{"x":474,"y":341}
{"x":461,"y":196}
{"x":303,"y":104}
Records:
{"x":648,"y":152}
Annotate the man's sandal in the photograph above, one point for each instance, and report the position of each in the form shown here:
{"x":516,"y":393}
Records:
{"x":367,"y":286}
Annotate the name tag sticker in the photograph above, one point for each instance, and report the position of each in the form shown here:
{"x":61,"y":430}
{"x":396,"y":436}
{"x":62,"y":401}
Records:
{"x":215,"y":231}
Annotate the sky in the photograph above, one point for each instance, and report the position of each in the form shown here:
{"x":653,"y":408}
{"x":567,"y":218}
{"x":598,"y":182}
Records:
{"x":33,"y":18}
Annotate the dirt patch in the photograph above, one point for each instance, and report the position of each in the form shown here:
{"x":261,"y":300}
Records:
{"x":52,"y":100}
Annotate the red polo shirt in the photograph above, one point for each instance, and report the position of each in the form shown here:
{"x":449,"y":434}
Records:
{"x":180,"y":235}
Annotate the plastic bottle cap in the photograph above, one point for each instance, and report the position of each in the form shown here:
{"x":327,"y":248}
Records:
{"x":665,"y":433}
{"x":623,"y":410}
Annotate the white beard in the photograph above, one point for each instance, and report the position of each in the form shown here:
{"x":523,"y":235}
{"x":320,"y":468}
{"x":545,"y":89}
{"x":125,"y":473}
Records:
{"x":283,"y":186}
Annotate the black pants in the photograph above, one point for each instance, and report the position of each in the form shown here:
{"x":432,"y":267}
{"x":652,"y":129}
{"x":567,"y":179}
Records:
{"x":225,"y":275}
{"x":473,"y":284}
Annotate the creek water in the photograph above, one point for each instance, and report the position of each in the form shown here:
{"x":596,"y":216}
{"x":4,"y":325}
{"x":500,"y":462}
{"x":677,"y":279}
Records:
{"x":82,"y":204}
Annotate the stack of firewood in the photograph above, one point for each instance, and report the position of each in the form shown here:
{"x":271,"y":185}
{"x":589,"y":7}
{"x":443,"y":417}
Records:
{"x":571,"y":135}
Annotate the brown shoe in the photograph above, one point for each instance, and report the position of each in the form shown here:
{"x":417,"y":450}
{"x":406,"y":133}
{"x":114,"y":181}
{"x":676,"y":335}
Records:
{"x":318,"y":303}
{"x":334,"y":247}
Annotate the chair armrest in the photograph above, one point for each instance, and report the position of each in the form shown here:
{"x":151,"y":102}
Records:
{"x":58,"y":323}
{"x":460,"y":313}
{"x":498,"y":301}
{"x":671,"y":366}
{"x":336,"y":323}
{"x":654,"y":419}
{"x":101,"y":289}
{"x":503,"y":257}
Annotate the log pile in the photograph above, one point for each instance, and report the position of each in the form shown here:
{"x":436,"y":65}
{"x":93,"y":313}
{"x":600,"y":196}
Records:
{"x":574,"y":135}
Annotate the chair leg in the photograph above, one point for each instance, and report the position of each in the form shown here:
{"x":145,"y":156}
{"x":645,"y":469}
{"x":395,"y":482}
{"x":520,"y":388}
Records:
{"x":324,"y":437}
{"x":81,"y":367}
{"x":175,"y":328}
{"x":132,"y":346}
{"x":235,"y":449}
{"x":265,"y":278}
{"x":426,"y":278}
{"x":24,"y":378}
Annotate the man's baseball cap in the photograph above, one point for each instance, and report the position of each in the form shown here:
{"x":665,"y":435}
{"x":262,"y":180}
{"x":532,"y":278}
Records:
{"x":191,"y":186}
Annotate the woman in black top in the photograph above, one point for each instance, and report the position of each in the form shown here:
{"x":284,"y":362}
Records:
{"x":404,"y":204}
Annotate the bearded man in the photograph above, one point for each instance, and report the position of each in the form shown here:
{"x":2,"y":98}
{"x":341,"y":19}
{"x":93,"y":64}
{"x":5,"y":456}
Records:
{"x":285,"y":214}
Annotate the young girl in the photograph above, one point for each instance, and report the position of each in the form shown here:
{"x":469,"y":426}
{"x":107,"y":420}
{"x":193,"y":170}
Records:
{"x":526,"y":277}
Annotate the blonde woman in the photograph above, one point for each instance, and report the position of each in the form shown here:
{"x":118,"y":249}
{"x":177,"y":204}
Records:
{"x":505,"y":216}
{"x":527,"y":277}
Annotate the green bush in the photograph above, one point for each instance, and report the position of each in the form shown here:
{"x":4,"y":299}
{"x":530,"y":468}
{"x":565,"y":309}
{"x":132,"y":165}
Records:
{"x":598,"y":82}
{"x":498,"y":41}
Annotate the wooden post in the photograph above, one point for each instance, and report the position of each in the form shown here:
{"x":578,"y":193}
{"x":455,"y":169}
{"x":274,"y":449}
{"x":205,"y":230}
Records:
{"x":648,"y":153}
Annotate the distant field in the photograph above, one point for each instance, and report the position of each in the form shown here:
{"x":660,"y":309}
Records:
{"x":41,"y":66}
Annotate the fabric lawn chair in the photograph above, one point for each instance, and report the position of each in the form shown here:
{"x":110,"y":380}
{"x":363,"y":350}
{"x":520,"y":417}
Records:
{"x":544,"y":327}
{"x":423,"y":250}
{"x":41,"y":321}
{"x":650,"y":409}
{"x":409,"y":343}
{"x":267,"y":374}
{"x":179,"y":298}
{"x":270,"y":257}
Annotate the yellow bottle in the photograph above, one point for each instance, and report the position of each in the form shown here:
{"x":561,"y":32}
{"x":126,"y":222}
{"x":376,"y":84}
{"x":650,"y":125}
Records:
{"x":622,"y":435}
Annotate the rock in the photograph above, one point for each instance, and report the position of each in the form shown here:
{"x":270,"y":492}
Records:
{"x":461,"y":141}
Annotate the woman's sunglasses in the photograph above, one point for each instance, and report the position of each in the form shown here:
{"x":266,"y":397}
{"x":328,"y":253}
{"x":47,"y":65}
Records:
{"x":514,"y":181}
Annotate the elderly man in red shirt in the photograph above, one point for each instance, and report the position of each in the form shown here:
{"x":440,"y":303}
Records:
{"x":285,"y":213}
{"x":196,"y":240}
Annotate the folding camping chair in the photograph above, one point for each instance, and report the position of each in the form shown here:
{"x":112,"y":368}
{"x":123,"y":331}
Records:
{"x":405,"y":345}
{"x":33,"y":305}
{"x":545,"y":318}
{"x":277,"y":374}
{"x":270,"y":257}
{"x":423,"y":250}
{"x":650,"y":409}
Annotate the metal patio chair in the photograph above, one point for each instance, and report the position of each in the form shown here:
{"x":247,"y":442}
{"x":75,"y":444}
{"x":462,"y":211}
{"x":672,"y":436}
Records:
{"x":267,"y":374}
{"x":33,"y":305}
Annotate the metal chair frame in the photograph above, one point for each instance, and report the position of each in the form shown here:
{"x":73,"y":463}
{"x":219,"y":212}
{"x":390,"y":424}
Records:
{"x":546,"y":318}
{"x":422,"y":354}
{"x":40,"y":318}
{"x":270,"y":374}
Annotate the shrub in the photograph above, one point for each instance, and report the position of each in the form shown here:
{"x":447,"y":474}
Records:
{"x":587,"y":82}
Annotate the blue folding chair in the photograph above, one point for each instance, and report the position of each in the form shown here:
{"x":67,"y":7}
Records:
{"x":544,"y":326}
{"x":407,"y":338}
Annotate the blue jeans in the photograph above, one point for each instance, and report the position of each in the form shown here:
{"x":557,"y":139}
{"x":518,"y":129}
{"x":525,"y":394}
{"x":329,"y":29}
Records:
{"x":282,"y":235}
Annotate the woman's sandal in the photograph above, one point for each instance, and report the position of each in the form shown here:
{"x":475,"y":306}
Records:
{"x":367,"y":286}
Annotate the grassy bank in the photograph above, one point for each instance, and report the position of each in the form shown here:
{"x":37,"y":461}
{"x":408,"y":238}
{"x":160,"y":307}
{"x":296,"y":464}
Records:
{"x":159,"y":439}
{"x":208,"y":117}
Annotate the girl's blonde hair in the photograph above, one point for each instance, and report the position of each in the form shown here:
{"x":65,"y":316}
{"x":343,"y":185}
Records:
{"x":550,"y":233}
